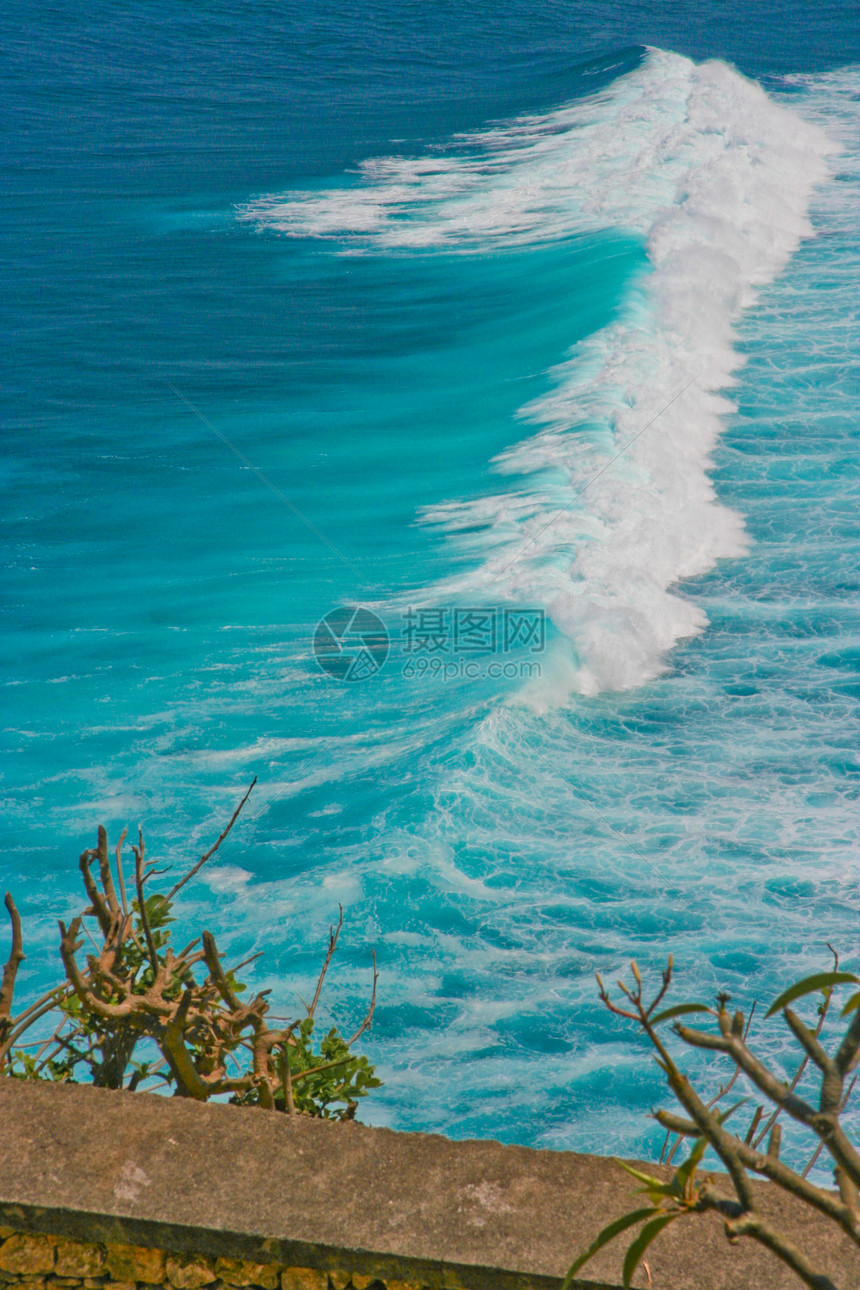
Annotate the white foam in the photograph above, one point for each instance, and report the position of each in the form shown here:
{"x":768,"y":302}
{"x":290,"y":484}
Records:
{"x":602,"y":522}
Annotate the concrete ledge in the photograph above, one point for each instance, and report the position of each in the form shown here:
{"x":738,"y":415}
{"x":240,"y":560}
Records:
{"x":241,"y":1183}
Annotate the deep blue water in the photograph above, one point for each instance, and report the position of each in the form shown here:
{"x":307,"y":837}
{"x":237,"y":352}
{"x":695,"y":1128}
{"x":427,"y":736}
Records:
{"x":530,"y":310}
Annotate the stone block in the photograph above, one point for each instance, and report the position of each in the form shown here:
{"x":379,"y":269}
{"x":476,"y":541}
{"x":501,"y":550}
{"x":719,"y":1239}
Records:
{"x":338,"y":1280}
{"x":303,"y":1279}
{"x":134,"y":1263}
{"x":361,"y":1282}
{"x":78,"y":1259}
{"x":190,"y":1273}
{"x":27,"y":1255}
{"x":239,"y":1272}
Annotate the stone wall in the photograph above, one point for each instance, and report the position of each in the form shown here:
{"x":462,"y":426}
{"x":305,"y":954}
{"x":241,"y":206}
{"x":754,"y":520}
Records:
{"x":102,"y":1190}
{"x":36,"y":1262}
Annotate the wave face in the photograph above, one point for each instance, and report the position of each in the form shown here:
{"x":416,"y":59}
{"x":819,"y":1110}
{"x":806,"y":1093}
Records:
{"x":608,"y":505}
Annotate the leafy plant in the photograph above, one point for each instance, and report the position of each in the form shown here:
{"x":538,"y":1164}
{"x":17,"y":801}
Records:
{"x":687,"y":1194}
{"x":139,"y":1014}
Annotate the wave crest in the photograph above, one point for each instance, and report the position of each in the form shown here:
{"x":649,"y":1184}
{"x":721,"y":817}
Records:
{"x":610,"y":503}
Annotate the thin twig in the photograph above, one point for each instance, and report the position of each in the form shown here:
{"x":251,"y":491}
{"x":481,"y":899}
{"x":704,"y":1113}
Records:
{"x":333,"y":934}
{"x":208,"y":854}
{"x":798,"y":1075}
{"x":119,"y":872}
{"x":250,"y":959}
{"x":369,"y":1017}
{"x":139,"y":853}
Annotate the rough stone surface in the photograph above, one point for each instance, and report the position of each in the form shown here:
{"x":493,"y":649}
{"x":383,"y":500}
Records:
{"x":89,"y":1265}
{"x":77,"y":1259}
{"x":189,"y":1273}
{"x":240,"y":1272}
{"x":27,"y":1255}
{"x":184,"y":1177}
{"x":303,"y":1279}
{"x":135,"y":1263}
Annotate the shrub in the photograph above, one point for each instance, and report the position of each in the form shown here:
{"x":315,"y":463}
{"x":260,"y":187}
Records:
{"x":142,"y":1015}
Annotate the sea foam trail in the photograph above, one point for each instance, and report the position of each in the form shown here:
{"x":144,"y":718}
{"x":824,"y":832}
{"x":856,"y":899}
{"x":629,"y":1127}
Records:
{"x":610,"y":502}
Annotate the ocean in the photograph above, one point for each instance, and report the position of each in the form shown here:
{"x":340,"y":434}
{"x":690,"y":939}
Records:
{"x":448,"y":415}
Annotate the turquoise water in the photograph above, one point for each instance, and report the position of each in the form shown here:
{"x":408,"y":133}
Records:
{"x":579,"y":340}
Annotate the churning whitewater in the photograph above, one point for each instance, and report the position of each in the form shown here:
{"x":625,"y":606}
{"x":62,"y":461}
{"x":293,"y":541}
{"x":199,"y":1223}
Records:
{"x":609,"y":503}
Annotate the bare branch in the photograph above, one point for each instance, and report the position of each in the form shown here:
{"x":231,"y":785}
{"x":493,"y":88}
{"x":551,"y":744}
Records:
{"x":824,"y":1124}
{"x":676,"y":1124}
{"x":369,"y":1017}
{"x":287,"y":1077}
{"x":190,"y":1082}
{"x":820,"y":1146}
{"x":16,"y":958}
{"x":139,"y":853}
{"x":29,"y":1018}
{"x":252,"y":958}
{"x":808,"y":1041}
{"x":849,"y":1050}
{"x":326,"y":1066}
{"x":119,"y":871}
{"x":798,"y":1074}
{"x":97,"y":900}
{"x":208,"y":854}
{"x":106,"y":875}
{"x":754,"y":1123}
{"x":213,"y":962}
{"x":333,"y":934}
{"x":775,"y":1142}
{"x":750,"y":1223}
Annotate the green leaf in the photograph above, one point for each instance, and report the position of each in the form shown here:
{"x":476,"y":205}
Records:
{"x":820,"y":981}
{"x":652,"y":1183}
{"x":852,"y":1003}
{"x":679,"y":1010}
{"x":688,"y":1168}
{"x":608,"y":1234}
{"x":640,"y":1245}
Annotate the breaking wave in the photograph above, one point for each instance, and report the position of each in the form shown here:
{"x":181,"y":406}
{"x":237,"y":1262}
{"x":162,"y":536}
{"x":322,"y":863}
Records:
{"x":608,"y":504}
